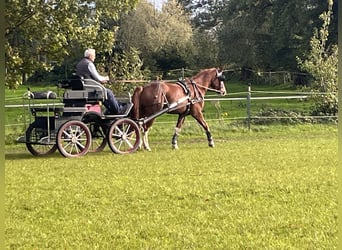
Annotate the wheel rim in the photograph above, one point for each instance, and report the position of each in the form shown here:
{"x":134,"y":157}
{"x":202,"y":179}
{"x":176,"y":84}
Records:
{"x":124,"y":136}
{"x":73,"y":139}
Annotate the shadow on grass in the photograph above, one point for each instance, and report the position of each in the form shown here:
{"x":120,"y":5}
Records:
{"x":27,"y":155}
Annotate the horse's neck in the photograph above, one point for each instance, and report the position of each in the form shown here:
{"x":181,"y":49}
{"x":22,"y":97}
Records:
{"x":201,"y":84}
{"x":199,"y":90}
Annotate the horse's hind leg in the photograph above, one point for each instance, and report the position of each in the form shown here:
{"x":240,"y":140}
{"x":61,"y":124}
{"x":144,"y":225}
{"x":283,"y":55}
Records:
{"x":174,"y":141}
{"x":143,"y":144}
{"x":145,"y":140}
{"x":200,"y":119}
{"x":145,"y":129}
{"x":210,"y":139}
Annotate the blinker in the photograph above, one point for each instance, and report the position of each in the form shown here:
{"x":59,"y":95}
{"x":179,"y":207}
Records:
{"x":221,"y":77}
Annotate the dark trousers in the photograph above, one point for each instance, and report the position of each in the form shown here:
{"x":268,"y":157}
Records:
{"x":111,"y":103}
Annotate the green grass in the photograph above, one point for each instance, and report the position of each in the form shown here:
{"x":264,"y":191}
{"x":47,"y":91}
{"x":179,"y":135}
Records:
{"x":271,"y":188}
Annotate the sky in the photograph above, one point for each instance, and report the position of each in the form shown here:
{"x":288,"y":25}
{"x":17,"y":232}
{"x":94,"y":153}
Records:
{"x":157,"y":3}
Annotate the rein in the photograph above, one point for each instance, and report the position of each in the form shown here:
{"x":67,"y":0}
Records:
{"x":205,"y":87}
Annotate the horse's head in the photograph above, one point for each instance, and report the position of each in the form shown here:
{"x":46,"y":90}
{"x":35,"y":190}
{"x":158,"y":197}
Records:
{"x":217,"y":82}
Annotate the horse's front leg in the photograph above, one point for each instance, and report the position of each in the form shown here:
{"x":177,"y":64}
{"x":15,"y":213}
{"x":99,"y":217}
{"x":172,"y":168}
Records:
{"x":177,"y":130}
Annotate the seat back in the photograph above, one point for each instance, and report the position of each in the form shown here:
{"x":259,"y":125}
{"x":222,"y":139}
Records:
{"x":74,"y":84}
{"x":82,"y":91}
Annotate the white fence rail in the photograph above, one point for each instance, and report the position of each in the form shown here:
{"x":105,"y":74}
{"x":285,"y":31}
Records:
{"x":248,"y":98}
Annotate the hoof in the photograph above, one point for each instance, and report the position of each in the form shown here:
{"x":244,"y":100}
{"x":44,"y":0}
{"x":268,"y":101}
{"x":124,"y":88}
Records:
{"x":174,"y":146}
{"x":211,"y":144}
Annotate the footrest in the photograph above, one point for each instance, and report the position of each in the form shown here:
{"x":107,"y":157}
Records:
{"x":44,"y":109}
{"x":21,"y":139}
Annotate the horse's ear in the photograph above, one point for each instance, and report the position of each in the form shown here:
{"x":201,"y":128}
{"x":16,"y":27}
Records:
{"x":219,"y":74}
{"x":219,"y":69}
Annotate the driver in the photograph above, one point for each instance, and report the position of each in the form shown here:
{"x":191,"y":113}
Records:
{"x":87,"y":70}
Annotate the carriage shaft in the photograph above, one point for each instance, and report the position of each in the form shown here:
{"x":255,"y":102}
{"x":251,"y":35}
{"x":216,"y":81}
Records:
{"x":170,"y":107}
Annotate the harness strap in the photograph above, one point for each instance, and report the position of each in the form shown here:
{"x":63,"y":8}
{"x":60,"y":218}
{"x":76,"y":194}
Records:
{"x":184,"y":86}
{"x":198,"y":97}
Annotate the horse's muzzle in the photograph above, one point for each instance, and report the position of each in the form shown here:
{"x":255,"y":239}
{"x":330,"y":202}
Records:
{"x":223,"y":90}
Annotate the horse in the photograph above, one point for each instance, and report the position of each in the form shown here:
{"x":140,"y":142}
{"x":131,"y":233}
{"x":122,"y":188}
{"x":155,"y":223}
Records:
{"x":183,"y":98}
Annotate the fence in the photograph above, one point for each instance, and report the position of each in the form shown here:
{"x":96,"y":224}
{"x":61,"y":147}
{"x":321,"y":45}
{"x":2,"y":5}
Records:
{"x":244,"y":96}
{"x":286,"y":95}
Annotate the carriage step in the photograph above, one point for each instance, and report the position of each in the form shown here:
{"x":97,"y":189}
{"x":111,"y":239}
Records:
{"x":44,"y":141}
{"x":47,"y":140}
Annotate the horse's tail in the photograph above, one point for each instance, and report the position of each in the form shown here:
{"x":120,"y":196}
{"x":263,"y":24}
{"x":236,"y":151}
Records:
{"x":136,"y":102}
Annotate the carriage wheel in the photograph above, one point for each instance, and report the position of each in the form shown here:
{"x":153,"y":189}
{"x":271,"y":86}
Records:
{"x":98,"y":136}
{"x":33,"y":135}
{"x":73,"y":139}
{"x":124,"y":136}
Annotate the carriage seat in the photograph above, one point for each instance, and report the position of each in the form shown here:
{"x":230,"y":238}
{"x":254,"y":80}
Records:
{"x":41,"y":94}
{"x":79,"y":89}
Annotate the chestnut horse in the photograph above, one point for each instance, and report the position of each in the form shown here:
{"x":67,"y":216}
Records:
{"x":183,"y":98}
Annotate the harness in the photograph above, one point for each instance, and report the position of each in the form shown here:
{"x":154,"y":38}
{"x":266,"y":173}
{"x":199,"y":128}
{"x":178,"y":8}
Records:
{"x":198,"y":97}
{"x":184,"y":86}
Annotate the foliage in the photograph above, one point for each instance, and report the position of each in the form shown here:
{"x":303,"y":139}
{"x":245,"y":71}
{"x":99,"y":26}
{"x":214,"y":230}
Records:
{"x":125,"y":65}
{"x":261,"y":35}
{"x":205,"y":52}
{"x":164,"y":37}
{"x":271,"y":189}
{"x":270,"y":33}
{"x":206,"y":14}
{"x":282,"y":116}
{"x":321,"y":63}
{"x":40,"y":34}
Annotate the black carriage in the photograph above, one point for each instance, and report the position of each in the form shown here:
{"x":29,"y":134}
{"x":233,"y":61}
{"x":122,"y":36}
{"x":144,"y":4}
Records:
{"x":78,"y":124}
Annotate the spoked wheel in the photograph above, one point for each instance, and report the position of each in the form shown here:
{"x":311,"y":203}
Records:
{"x":124,"y":136}
{"x":37,"y":141}
{"x":98,"y":137}
{"x":73,"y":139}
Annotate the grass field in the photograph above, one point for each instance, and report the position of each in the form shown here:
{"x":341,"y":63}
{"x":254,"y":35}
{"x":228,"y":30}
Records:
{"x":274,"y":187}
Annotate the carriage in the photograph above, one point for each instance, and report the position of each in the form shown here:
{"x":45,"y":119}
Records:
{"x":79,"y":125}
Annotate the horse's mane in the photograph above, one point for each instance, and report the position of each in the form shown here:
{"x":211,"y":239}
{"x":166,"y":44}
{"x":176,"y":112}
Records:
{"x":203,"y":71}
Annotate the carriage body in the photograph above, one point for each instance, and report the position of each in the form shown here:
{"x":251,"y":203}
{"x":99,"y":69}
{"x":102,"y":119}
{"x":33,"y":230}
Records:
{"x":75,"y":123}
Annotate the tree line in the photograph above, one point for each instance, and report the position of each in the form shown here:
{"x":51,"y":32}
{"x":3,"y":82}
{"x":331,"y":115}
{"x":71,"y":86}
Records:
{"x":134,"y":40}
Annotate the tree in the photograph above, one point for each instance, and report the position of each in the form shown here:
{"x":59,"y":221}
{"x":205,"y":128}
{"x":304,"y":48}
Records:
{"x":164,"y":37}
{"x":291,"y":29}
{"x":321,"y":63}
{"x":205,"y":51}
{"x":41,"y":33}
{"x":259,"y":34}
{"x":124,"y":65}
{"x":206,"y":14}
{"x":206,"y":20}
